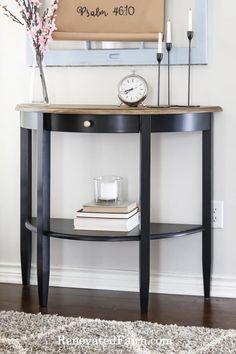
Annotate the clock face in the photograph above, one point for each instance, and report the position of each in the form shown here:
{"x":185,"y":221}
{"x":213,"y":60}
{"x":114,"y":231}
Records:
{"x":132,"y":90}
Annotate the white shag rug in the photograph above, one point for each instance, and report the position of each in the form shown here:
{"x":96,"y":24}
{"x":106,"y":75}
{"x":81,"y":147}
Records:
{"x":39,"y":334}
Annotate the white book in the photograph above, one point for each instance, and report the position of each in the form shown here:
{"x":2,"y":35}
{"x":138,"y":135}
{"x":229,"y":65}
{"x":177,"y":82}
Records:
{"x":102,"y":224}
{"x":82,"y":214}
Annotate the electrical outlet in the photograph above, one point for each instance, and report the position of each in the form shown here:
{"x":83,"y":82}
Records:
{"x":217,"y":214}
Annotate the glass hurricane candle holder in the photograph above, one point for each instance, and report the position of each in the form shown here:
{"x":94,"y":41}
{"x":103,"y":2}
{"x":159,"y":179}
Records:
{"x":108,"y":189}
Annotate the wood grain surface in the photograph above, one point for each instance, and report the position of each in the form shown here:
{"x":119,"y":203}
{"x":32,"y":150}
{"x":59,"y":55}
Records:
{"x":122,"y":306}
{"x":116,"y":110}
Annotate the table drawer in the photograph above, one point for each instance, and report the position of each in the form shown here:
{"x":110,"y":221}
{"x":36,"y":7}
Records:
{"x":93,"y":124}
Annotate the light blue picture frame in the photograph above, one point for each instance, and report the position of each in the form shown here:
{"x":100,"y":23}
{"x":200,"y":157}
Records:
{"x":140,"y":56}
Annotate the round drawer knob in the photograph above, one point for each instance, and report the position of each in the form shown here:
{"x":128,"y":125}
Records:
{"x":87,"y":124}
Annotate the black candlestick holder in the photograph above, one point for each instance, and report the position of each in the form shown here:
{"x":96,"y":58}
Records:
{"x":159,"y":60}
{"x":190,"y":35}
{"x":168,"y":48}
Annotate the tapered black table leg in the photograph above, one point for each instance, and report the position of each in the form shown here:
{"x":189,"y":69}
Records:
{"x":206,"y":208}
{"x":43,"y":212}
{"x":25,"y":202}
{"x":144,"y":245}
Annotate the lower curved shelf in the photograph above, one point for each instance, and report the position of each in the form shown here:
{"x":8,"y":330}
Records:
{"x":63,"y":229}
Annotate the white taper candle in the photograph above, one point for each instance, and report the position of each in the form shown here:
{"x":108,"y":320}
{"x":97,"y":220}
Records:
{"x":168,"y":35}
{"x":190,"y":20}
{"x":159,"y":50}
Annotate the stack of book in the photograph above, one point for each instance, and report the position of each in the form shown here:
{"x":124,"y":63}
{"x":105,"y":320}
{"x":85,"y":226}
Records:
{"x":121,"y":217}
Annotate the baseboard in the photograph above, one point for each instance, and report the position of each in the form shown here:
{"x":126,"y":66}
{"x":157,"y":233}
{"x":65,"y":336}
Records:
{"x":123,"y":280}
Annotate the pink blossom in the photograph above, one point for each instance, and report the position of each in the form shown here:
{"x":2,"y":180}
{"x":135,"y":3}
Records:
{"x":40,"y":25}
{"x":38,"y":3}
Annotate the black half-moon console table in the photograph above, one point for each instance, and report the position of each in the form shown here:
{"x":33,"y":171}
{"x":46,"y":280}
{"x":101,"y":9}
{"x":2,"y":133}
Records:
{"x":107,"y":119}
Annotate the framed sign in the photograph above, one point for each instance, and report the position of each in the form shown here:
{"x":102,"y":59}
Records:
{"x":113,"y":20}
{"x":105,"y":52}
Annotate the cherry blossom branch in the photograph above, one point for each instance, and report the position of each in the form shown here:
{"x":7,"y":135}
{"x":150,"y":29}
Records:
{"x":11,"y":15}
{"x":39,"y":26}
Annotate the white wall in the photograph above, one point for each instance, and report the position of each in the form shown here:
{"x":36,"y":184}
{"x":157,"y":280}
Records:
{"x":176,"y":165}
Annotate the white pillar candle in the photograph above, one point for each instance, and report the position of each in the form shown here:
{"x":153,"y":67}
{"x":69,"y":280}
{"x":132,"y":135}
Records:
{"x":168,"y":35}
{"x":159,"y":49}
{"x":190,"y":20}
{"x":108,"y":191}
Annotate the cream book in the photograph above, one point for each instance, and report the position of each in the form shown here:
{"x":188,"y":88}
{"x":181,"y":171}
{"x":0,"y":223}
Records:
{"x":120,"y":207}
{"x":101,"y":224}
{"x":81,"y":214}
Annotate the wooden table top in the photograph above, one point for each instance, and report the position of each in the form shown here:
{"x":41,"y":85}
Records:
{"x":113,"y":109}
